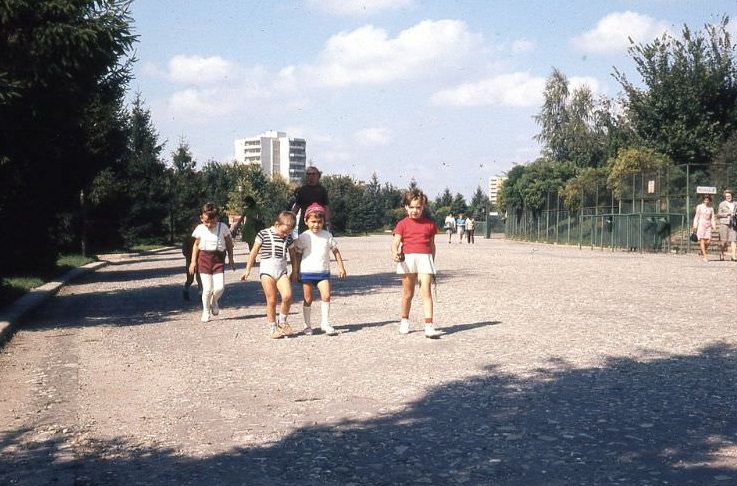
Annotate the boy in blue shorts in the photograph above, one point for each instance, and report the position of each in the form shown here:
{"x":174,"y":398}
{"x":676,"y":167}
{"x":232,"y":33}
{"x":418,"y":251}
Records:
{"x":313,"y":264}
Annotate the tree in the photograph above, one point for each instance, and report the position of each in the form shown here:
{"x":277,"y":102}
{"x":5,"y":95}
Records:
{"x":480,"y":204}
{"x":445,"y":199}
{"x":573,"y":126}
{"x":631,"y":161}
{"x":148,"y":189}
{"x":458,"y":205}
{"x":63,"y":74}
{"x":686,"y":109}
{"x":185,"y":195}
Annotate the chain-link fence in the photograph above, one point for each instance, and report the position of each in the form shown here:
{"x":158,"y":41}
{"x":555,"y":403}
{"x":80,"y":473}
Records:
{"x":639,"y":212}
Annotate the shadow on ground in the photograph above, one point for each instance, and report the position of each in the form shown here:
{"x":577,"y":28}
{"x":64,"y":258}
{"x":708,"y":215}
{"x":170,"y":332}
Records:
{"x":656,"y":420}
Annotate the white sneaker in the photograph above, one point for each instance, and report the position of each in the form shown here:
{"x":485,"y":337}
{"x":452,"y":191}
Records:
{"x":328,"y":329}
{"x":404,"y":327}
{"x":276,"y":332}
{"x":214,"y":309}
{"x":205,"y":316}
{"x":431,"y":332}
{"x":307,"y":331}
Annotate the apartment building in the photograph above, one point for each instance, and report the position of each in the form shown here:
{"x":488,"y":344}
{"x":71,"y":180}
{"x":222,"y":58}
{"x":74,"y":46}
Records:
{"x":275,"y":153}
{"x":495,"y":185}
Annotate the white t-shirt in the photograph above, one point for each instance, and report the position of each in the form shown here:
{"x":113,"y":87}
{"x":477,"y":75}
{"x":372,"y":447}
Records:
{"x":315,"y":250}
{"x":211,"y":240}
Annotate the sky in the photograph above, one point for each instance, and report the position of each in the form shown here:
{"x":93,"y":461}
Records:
{"x":440,"y":91}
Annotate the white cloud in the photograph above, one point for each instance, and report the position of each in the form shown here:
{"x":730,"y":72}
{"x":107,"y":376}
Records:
{"x":373,"y":136}
{"x":357,"y":7}
{"x":199,"y":103}
{"x":522,"y":46}
{"x":199,"y":70}
{"x":612,"y":32}
{"x":516,"y":90}
{"x":368,"y":55}
{"x":579,"y":81}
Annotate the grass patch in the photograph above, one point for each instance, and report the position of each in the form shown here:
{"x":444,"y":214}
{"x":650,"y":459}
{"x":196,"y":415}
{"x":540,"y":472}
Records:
{"x":14,"y":287}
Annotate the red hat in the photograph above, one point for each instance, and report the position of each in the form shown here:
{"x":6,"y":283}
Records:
{"x":314,"y":208}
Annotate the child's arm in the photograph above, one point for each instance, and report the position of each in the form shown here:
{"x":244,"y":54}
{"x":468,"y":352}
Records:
{"x":195,"y":254}
{"x":339,"y":260}
{"x":432,"y":246}
{"x":396,"y":247}
{"x":295,"y":265}
{"x":251,"y":259}
{"x":229,"y":249}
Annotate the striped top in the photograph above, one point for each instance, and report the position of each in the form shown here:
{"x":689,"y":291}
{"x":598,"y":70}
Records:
{"x":273,"y":245}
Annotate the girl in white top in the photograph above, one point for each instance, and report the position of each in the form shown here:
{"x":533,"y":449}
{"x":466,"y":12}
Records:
{"x":313,"y":265}
{"x":212,"y":241}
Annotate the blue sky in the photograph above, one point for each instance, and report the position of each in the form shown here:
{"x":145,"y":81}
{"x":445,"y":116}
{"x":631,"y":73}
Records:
{"x":442,"y":91}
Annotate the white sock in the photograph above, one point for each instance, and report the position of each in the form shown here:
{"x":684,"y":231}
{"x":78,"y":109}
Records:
{"x":282,"y":318}
{"x":307,"y":313}
{"x":325,"y":313}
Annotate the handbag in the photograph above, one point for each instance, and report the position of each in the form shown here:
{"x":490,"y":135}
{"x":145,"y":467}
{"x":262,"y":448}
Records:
{"x":693,"y":237}
{"x":733,"y":221}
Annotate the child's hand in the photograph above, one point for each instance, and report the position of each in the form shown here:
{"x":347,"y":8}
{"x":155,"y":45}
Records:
{"x":293,"y":277}
{"x":232,"y":265}
{"x":341,"y":272}
{"x":244,"y":275}
{"x":192,"y":268}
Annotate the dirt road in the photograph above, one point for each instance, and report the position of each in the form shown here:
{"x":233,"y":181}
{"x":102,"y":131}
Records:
{"x":558,"y":366}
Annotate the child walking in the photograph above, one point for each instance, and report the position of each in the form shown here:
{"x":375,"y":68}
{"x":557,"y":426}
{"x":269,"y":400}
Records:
{"x":413,"y":248}
{"x":273,"y":245}
{"x":212,"y":241}
{"x":187,"y":248}
{"x":314,"y":246}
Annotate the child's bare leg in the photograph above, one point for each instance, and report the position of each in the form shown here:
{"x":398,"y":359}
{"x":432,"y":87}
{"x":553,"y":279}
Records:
{"x":269,"y":286}
{"x":426,"y":293}
{"x":409,"y":280}
{"x":324,"y":287}
{"x":306,"y":307}
{"x":703,"y":244}
{"x":285,"y":290}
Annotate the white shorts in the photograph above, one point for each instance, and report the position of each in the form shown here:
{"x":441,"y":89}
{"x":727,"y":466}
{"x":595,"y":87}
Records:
{"x":273,"y":267}
{"x":416,"y":263}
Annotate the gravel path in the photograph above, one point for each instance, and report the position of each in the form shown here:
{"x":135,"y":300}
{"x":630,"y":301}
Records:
{"x":558,"y":366}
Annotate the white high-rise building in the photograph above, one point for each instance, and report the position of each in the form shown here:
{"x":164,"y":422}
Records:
{"x":495,"y":185}
{"x":275,"y":153}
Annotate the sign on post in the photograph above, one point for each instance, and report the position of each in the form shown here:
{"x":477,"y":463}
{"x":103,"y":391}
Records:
{"x":706,"y":190}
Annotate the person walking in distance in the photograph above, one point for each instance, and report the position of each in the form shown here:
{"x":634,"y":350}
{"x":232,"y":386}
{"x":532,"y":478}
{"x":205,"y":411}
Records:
{"x":311,"y":192}
{"x":212,"y":241}
{"x":449,"y":226}
{"x":727,"y":214}
{"x":275,"y":248}
{"x":187,"y":248}
{"x":703,"y":223}
{"x":413,"y":250}
{"x":461,"y":227}
{"x":314,"y":247}
{"x":470,"y":230}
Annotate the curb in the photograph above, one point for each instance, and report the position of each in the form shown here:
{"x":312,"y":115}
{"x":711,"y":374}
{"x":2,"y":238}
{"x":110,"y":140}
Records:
{"x":11,"y":316}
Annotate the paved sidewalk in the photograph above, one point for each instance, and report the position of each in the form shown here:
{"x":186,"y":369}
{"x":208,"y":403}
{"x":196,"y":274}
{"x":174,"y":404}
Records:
{"x":558,"y":366}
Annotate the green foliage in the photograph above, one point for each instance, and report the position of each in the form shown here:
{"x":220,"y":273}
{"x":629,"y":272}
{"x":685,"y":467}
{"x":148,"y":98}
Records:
{"x":633,"y":161}
{"x":63,"y":74}
{"x":686,"y":109}
{"x":480,"y":204}
{"x":573,"y":126}
{"x":445,"y":199}
{"x":585,"y":181}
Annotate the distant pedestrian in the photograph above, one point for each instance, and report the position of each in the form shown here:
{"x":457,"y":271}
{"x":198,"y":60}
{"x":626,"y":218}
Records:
{"x":470,"y":229}
{"x":212,"y":241}
{"x":314,"y":247}
{"x":249,"y":223}
{"x":187,"y":247}
{"x":275,"y":247}
{"x":449,"y":226}
{"x":311,"y":192}
{"x":703,"y":223}
{"x":727,"y":214}
{"x":413,"y":249}
{"x":460,"y":227}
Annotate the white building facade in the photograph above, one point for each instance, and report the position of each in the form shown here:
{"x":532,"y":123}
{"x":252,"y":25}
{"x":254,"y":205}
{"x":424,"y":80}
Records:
{"x":495,"y":185}
{"x":275,"y":153}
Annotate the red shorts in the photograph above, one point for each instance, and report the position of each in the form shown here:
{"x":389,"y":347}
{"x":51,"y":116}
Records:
{"x":209,"y":262}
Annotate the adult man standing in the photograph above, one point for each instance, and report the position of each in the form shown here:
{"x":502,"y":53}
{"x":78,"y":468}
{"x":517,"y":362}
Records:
{"x":311,"y":192}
